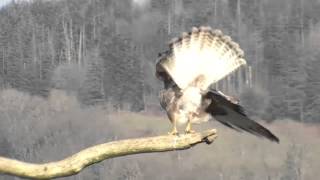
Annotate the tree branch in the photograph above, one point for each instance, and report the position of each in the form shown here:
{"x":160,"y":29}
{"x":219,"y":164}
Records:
{"x":75,"y":163}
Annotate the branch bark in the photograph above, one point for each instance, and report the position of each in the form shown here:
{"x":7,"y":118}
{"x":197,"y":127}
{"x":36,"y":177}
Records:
{"x":75,"y":163}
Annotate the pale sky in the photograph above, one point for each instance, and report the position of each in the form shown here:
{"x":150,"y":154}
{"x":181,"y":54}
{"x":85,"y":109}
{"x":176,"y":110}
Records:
{"x":140,"y":3}
{"x":4,"y":2}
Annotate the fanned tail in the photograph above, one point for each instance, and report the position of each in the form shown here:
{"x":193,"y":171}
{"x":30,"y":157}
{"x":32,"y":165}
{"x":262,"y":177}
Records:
{"x":201,"y":52}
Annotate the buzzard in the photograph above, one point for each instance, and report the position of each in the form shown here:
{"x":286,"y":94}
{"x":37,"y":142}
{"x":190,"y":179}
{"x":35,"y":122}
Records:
{"x":192,"y":64}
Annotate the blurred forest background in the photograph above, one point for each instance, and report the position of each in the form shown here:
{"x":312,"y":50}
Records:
{"x":74,"y":73}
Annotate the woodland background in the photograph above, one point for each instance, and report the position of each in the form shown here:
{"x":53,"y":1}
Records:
{"x":74,"y":73}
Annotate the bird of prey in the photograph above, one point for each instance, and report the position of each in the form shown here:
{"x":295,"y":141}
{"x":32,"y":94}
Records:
{"x":194,"y":62}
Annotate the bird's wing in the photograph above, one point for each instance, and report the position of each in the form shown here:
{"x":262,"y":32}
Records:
{"x":232,"y":115}
{"x":203,"y":52}
{"x":163,"y":75}
{"x":170,"y":91}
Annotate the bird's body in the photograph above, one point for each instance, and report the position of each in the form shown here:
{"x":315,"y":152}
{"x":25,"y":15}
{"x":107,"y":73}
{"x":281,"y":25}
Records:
{"x":194,"y":62}
{"x":184,"y":105}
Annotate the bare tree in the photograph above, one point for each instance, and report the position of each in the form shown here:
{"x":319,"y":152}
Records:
{"x":75,"y":163}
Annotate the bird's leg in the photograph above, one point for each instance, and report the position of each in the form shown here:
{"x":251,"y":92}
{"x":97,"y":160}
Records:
{"x":188,"y":128}
{"x":174,"y":127}
{"x":174,"y":130}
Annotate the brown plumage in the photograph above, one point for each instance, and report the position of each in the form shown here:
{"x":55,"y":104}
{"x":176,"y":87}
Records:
{"x":193,"y":62}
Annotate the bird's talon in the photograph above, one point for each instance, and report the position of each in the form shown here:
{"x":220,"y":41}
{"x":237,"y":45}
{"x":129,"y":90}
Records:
{"x":174,"y":133}
{"x":190,"y":131}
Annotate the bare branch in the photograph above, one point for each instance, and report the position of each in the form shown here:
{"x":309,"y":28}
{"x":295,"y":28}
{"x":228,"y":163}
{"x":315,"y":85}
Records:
{"x":75,"y":163}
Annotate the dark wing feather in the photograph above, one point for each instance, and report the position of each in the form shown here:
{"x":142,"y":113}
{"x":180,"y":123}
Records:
{"x":170,"y":91}
{"x":164,"y":76}
{"x":233,"y":115}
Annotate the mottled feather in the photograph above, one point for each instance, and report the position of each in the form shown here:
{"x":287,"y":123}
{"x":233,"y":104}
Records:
{"x":193,"y":62}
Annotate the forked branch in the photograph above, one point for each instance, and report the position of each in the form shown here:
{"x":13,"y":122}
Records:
{"x":75,"y":163}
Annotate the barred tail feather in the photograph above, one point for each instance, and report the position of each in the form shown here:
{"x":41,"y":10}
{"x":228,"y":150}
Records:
{"x":201,"y":52}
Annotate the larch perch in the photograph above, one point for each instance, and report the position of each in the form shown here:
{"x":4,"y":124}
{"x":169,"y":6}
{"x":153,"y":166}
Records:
{"x":75,"y":163}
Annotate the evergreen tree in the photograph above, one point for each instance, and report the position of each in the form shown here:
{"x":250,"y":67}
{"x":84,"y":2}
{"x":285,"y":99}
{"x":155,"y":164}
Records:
{"x":91,"y":92}
{"x":275,"y":63}
{"x":312,"y":88}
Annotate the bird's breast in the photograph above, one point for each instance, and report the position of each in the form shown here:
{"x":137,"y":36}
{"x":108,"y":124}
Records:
{"x":190,"y":100}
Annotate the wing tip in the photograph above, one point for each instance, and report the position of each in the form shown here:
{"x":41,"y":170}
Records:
{"x":274,"y":138}
{"x":262,"y":131}
{"x":248,"y":125}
